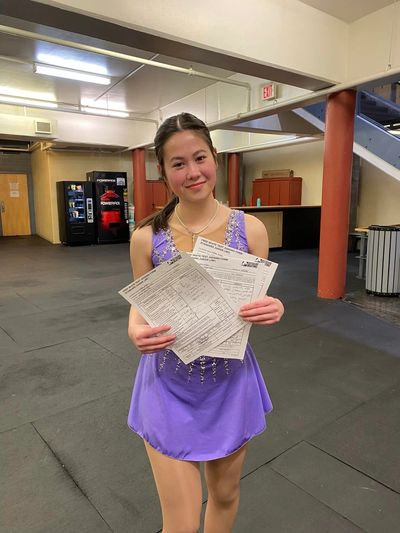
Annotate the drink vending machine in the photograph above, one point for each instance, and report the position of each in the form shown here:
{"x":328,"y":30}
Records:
{"x":76,"y":214}
{"x":111,"y":206}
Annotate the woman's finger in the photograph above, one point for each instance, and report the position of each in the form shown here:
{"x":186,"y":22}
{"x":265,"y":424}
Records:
{"x":272,"y":317}
{"x":156,"y":341}
{"x":258,"y":311}
{"x":264,"y":302}
{"x":155,"y":348}
{"x":148,"y":331}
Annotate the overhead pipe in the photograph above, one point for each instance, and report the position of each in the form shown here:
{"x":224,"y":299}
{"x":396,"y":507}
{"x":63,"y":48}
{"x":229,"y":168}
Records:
{"x":66,"y":107}
{"x":118,"y":55}
{"x":124,"y":78}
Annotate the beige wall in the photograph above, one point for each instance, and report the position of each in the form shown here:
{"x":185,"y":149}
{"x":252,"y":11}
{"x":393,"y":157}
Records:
{"x":305,"y":159}
{"x":49,"y":167}
{"x":42,"y":195}
{"x":379,"y":197}
{"x":374,"y":43}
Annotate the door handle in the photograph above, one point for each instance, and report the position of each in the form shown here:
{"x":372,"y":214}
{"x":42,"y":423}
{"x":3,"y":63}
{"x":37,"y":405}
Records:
{"x":2,"y":207}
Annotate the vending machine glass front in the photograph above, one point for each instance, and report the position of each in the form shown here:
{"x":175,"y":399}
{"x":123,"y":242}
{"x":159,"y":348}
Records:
{"x":76,"y":203}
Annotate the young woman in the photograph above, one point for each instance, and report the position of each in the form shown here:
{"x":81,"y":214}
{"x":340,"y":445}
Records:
{"x":209,"y":409}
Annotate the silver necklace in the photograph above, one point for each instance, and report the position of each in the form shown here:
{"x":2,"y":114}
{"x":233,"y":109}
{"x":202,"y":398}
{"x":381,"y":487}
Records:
{"x":194,"y":234}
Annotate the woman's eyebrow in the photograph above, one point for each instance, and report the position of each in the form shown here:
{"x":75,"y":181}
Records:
{"x":175,"y":157}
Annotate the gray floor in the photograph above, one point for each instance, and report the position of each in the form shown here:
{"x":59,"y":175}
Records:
{"x":329,"y":461}
{"x":386,"y":307}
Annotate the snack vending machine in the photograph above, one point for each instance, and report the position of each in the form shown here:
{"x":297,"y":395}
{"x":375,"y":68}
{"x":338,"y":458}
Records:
{"x":76,"y":212}
{"x":111,"y":206}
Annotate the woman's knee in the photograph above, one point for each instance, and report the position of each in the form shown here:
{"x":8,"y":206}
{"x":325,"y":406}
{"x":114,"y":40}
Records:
{"x":181,"y":517}
{"x":224,"y":494}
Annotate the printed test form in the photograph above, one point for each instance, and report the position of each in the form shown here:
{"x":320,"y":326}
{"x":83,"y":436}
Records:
{"x":206,"y":247}
{"x":239,"y":278}
{"x":181,"y":293}
{"x":234,"y":347}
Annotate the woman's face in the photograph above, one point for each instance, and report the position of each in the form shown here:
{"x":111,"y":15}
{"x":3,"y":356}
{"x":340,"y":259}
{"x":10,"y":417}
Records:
{"x":189,"y":165}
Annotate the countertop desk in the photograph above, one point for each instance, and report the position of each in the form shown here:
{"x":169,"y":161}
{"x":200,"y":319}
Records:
{"x":289,"y":226}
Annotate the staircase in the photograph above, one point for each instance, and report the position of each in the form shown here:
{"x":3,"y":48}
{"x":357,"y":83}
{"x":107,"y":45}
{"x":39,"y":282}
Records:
{"x":380,"y":110}
{"x":376,"y":130}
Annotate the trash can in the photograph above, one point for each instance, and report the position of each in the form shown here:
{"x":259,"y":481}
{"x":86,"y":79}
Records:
{"x":383,"y":261}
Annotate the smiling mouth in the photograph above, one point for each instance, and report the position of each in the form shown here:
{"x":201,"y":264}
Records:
{"x":195,"y":184}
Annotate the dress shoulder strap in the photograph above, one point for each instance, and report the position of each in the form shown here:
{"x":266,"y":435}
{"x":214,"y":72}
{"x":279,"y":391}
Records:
{"x":236,"y":231}
{"x":163,"y":247}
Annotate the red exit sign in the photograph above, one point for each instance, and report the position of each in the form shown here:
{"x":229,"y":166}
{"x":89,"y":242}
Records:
{"x":268,"y":92}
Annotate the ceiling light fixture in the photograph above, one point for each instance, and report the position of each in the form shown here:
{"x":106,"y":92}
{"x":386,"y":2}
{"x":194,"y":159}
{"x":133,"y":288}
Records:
{"x":105,"y":112}
{"x":73,"y":64}
{"x":7,"y":99}
{"x":70,"y":74}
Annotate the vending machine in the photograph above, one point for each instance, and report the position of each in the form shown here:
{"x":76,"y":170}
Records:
{"x":111,"y":206}
{"x":76,"y":212}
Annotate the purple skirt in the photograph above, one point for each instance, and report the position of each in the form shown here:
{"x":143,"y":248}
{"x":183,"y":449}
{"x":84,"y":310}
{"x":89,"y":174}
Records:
{"x":205,"y":410}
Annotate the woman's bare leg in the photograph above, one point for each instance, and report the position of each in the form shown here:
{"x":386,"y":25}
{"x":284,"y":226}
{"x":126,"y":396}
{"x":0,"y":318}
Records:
{"x":223,"y":483}
{"x":179,"y":489}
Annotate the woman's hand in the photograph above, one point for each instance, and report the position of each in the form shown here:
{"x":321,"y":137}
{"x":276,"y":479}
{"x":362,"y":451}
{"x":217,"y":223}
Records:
{"x":148,"y":339}
{"x":268,"y":310}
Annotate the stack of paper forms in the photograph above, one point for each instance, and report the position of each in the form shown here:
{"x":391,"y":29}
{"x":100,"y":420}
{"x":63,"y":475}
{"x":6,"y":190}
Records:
{"x":199,"y":296}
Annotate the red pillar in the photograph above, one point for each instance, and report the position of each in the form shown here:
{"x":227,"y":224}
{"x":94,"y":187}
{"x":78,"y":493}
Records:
{"x":139,"y":184}
{"x":233,"y":179}
{"x":336,"y":187}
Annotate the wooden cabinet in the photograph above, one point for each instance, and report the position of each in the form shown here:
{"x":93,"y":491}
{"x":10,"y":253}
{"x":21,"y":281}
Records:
{"x":157,"y":195}
{"x":277,"y":191}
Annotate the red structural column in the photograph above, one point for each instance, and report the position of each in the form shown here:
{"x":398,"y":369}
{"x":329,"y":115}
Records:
{"x":336,"y":187}
{"x":233,"y":179}
{"x":139,"y":184}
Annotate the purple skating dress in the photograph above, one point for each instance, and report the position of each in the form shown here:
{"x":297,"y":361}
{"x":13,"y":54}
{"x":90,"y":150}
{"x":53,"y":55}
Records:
{"x":209,"y":408}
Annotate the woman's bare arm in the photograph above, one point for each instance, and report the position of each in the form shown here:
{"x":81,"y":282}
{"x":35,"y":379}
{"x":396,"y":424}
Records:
{"x":145,"y":337}
{"x":266,"y":310}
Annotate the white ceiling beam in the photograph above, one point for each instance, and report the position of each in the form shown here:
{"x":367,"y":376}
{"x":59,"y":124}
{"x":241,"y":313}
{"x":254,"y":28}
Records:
{"x":264,"y":44}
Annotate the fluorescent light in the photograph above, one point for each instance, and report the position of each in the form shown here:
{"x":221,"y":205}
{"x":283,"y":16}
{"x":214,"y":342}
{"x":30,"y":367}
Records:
{"x":105,"y":112}
{"x":71,"y":74}
{"x":73,"y":64}
{"x":23,"y":93}
{"x":4,"y":98}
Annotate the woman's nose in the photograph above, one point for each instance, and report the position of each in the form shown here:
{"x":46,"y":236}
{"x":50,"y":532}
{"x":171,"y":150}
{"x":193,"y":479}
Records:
{"x":193,"y":170}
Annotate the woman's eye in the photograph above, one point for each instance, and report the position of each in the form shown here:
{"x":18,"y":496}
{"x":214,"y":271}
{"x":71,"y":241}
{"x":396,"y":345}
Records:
{"x":201,"y":157}
{"x":178,"y":165}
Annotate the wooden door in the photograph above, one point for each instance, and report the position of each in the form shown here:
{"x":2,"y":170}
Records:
{"x":295,"y":191}
{"x":160,"y":194}
{"x":157,"y":195}
{"x":274,"y":192}
{"x":149,"y":198}
{"x":284,"y":194}
{"x":261,"y":190}
{"x":14,"y":205}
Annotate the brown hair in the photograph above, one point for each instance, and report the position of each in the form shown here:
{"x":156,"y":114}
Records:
{"x":181,"y":122}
